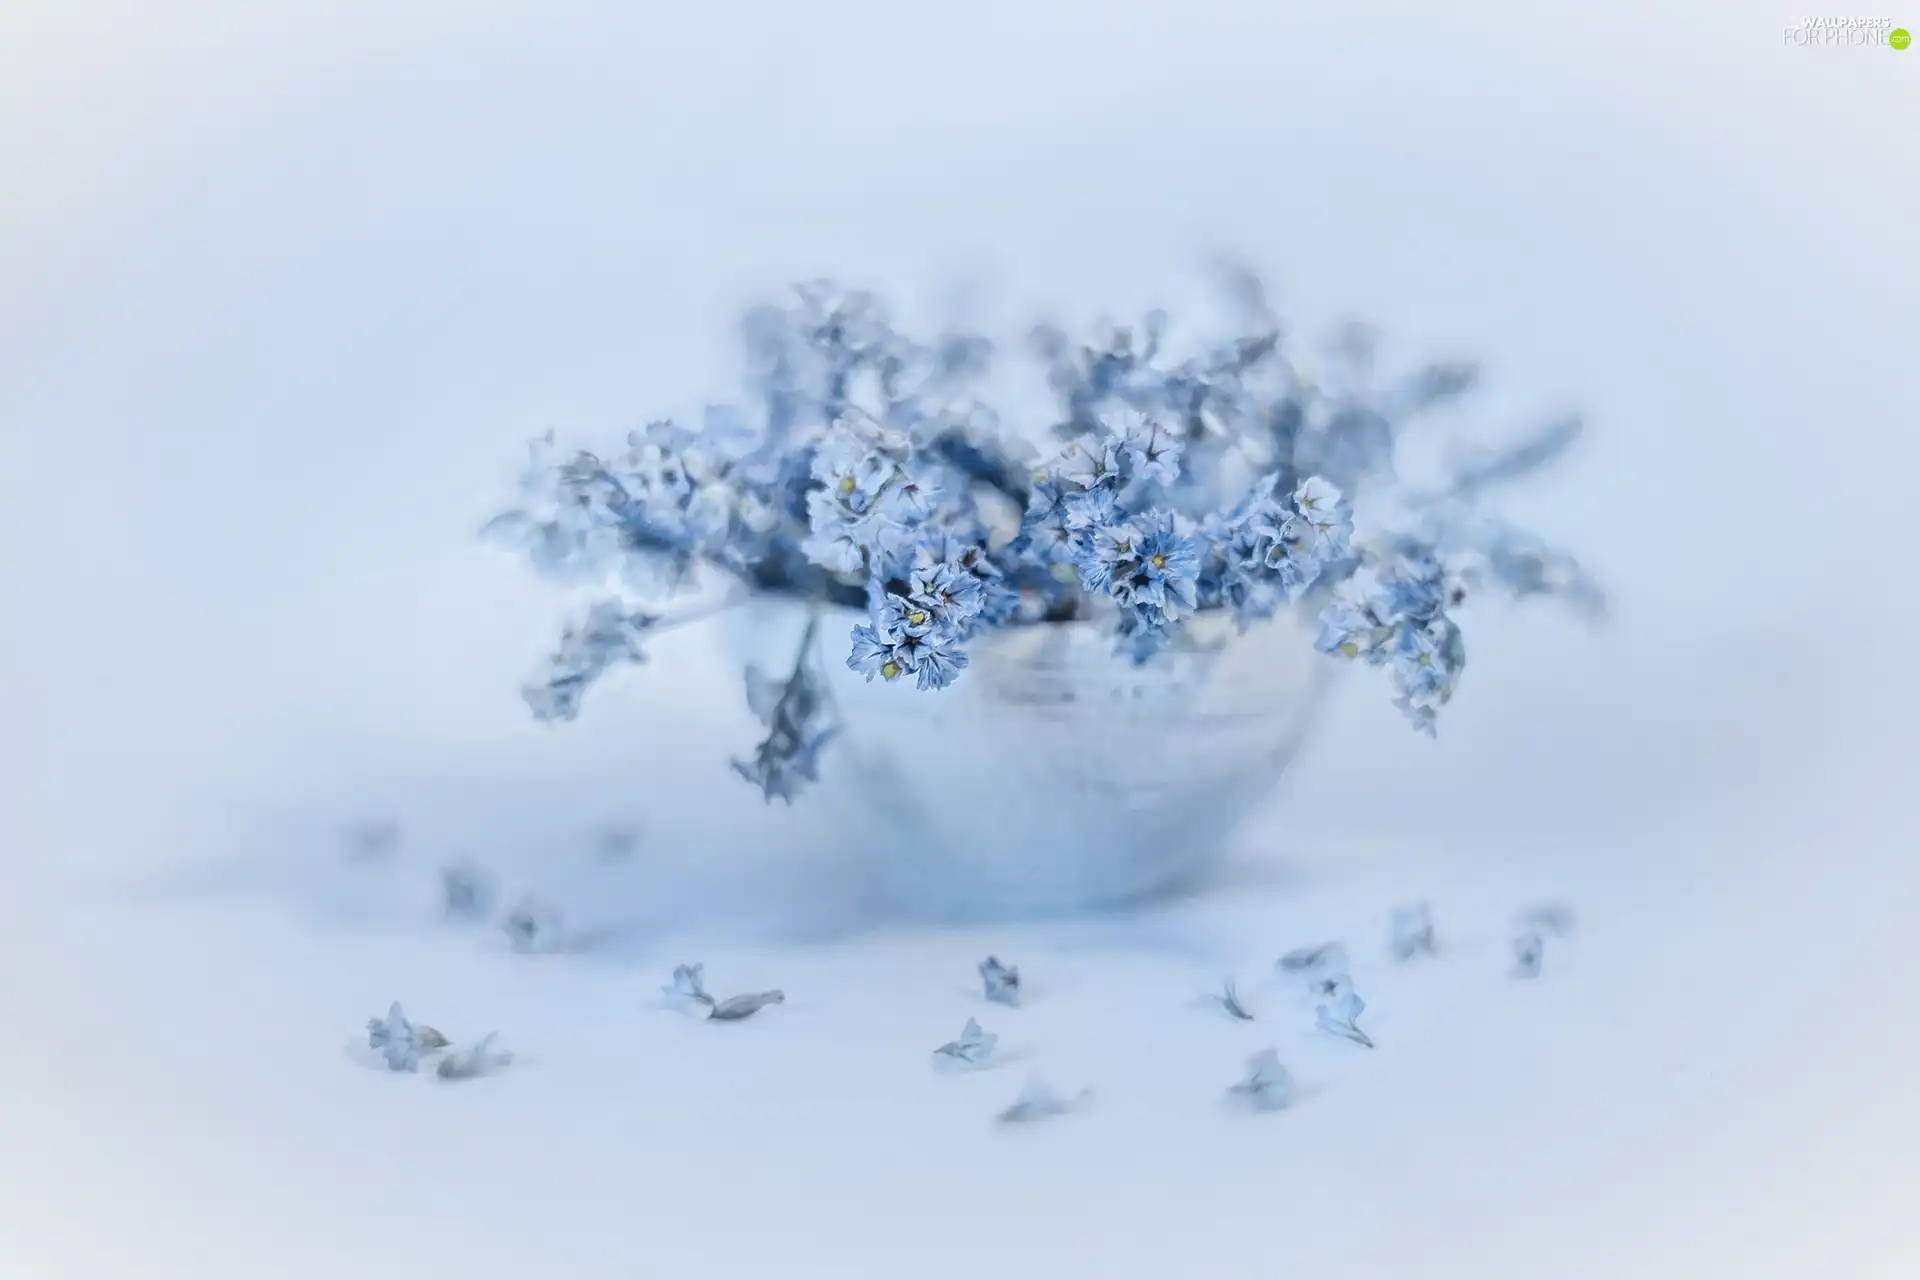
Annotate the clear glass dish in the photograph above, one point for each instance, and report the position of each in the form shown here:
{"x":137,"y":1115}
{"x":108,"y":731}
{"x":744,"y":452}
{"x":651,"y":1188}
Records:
{"x":1053,"y":775}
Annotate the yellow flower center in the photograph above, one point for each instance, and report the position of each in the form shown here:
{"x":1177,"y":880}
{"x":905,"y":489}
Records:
{"x":1350,"y":649}
{"x":888,"y":670}
{"x":1159,"y":562}
{"x":916,"y":617}
{"x":846,"y":484}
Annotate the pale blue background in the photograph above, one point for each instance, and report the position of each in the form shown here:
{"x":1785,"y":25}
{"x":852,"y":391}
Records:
{"x":282,"y":288}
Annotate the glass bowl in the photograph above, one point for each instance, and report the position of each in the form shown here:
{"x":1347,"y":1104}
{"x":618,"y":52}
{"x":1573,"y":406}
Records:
{"x":1053,"y":775}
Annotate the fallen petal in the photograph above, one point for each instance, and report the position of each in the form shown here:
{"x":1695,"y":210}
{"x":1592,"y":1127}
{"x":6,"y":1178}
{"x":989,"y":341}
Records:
{"x":479,"y":1060}
{"x":735,"y":1008}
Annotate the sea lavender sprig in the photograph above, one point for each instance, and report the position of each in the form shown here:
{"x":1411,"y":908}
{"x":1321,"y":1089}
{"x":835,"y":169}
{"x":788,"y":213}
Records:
{"x":863,"y":471}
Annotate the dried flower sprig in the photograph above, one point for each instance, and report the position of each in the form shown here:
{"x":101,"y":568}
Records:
{"x":798,"y":716}
{"x":863,"y":472}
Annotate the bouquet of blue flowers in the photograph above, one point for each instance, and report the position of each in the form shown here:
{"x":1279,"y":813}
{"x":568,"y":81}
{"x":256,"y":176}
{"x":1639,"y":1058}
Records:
{"x":865,"y":470}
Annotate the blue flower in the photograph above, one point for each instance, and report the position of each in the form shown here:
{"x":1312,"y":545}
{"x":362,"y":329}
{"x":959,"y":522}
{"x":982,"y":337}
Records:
{"x":909,"y":501}
{"x":912,"y":651}
{"x":849,"y":465}
{"x":1152,"y":453}
{"x":1417,"y":661}
{"x":1089,"y":462}
{"x":1044,"y":537}
{"x":1168,"y":565}
{"x":939,"y":665}
{"x":1088,"y":512}
{"x":1317,"y":498}
{"x":932,"y":657}
{"x":864,"y":501}
{"x":1427,"y":660}
{"x":1347,"y":631}
{"x":1323,"y":526}
{"x":952,"y":593}
{"x":839,"y":540}
{"x":1141,"y":635}
{"x":899,"y":617}
{"x":873,"y":656}
{"x":1105,"y":555}
{"x":1410,"y":586}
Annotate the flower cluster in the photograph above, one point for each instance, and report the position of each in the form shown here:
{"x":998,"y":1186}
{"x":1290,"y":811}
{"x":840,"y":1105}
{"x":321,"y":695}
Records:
{"x":863,"y":474}
{"x":1395,"y":614}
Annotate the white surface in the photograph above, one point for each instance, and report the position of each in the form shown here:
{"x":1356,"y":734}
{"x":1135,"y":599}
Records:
{"x":1713,"y":1076}
{"x":283,"y":289}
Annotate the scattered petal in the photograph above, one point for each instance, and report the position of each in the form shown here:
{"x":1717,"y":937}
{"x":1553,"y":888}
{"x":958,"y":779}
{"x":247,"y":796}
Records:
{"x":1000,"y":982}
{"x":735,"y":1008}
{"x":1340,"y":1017}
{"x":1039,"y":1102}
{"x":533,"y":926}
{"x":395,"y":1038}
{"x":1554,"y":918}
{"x":974,"y":1047}
{"x":380,"y":1030}
{"x":1529,"y":949}
{"x":1326,"y":958}
{"x":689,"y":987}
{"x":1329,"y":988}
{"x":1228,"y":999}
{"x":371,"y":841}
{"x":466,"y":891}
{"x":477,"y":1060}
{"x":1268,"y":1086}
{"x":1412,"y":932}
{"x":618,"y":843}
